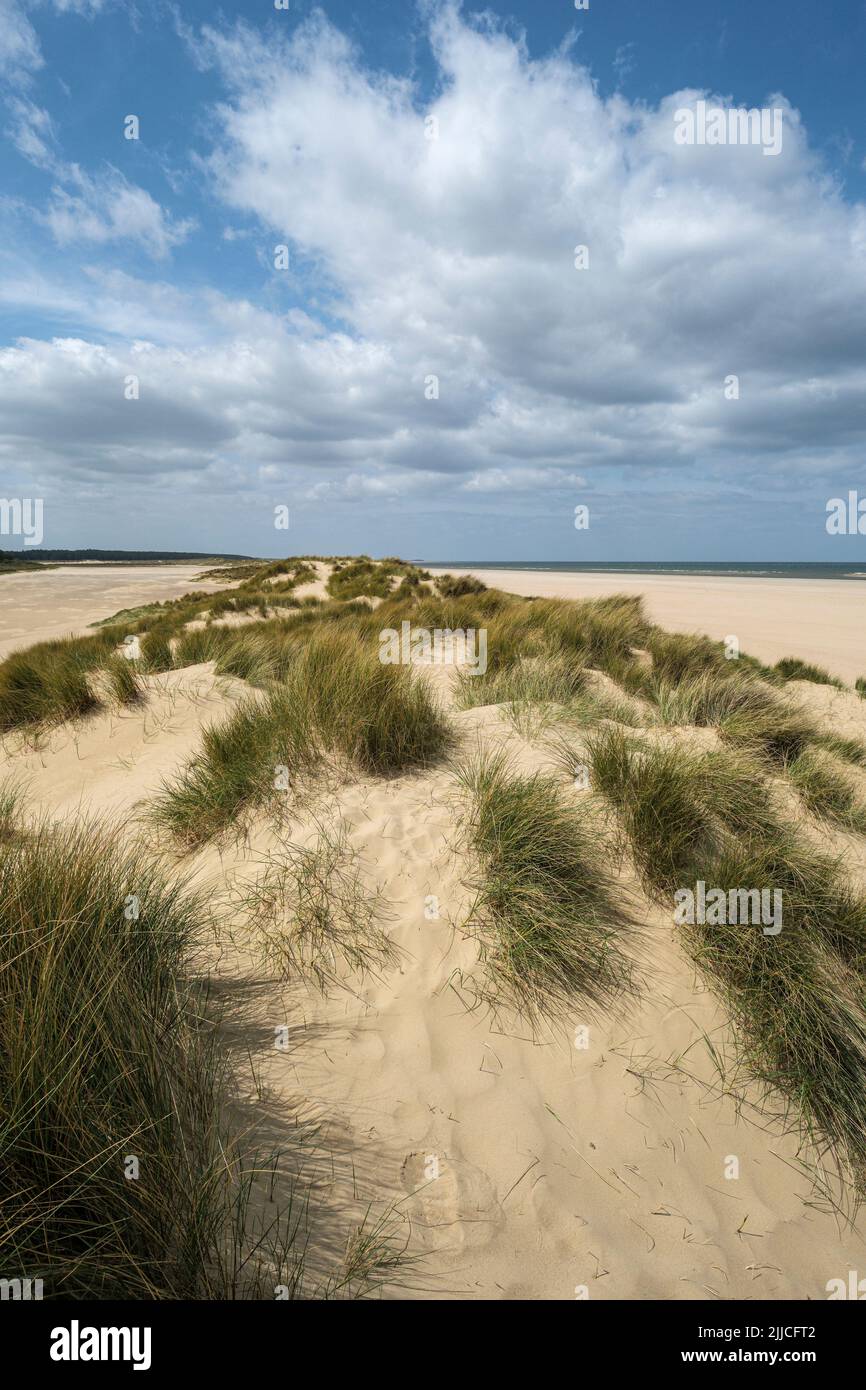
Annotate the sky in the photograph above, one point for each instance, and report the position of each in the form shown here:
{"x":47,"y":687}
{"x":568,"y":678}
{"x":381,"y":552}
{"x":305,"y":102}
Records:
{"x":431,"y":277}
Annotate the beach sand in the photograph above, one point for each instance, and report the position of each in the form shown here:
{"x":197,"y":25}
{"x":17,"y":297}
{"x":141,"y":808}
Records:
{"x":62,"y":602}
{"x":516,"y":1166}
{"x":819,"y":620}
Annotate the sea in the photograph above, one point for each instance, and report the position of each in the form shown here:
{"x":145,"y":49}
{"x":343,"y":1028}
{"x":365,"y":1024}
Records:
{"x":757,"y":569}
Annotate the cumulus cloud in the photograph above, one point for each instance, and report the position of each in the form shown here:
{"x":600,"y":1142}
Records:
{"x":88,"y":8}
{"x":457,"y":252}
{"x":442,"y":242}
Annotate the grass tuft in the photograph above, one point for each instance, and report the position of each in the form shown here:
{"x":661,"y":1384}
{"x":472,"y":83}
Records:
{"x":528,"y":687}
{"x":337,"y":697}
{"x":827,"y":790}
{"x":676,"y":806}
{"x":103,"y":1055}
{"x":155,"y":648}
{"x":796,"y":1002}
{"x":546,"y":915}
{"x":796,"y":998}
{"x":47,"y":683}
{"x":197,"y":645}
{"x":12,"y":802}
{"x":793,"y":669}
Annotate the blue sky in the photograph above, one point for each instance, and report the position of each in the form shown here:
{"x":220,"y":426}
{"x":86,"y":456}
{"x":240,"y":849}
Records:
{"x":430,"y":374}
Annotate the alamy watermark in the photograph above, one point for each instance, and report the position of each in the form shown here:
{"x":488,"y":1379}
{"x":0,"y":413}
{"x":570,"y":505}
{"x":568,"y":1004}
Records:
{"x":854,"y":1287}
{"x":423,"y":646}
{"x":716,"y":907}
{"x":731,"y":125}
{"x":77,"y":1343}
{"x":846,"y":516}
{"x":22,"y":516}
{"x":21,"y":1290}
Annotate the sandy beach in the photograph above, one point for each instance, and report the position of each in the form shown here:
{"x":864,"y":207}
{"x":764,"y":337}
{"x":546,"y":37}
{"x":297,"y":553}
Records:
{"x":592,"y":1161}
{"x":822,"y":620}
{"x":63,"y":602}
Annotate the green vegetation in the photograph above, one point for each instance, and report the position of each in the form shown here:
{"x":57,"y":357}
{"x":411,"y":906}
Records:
{"x":335,"y":697}
{"x":793,"y":669}
{"x":527,"y":686}
{"x":17,"y":562}
{"x":196,"y":645}
{"x":850,"y":749}
{"x":107,"y":1045}
{"x":372,"y":578}
{"x":48,"y":682}
{"x":675,"y":806}
{"x":233,"y":770}
{"x":103,"y":1055}
{"x":132,"y":557}
{"x":547,"y":918}
{"x":124,"y":683}
{"x":458,"y":586}
{"x":12,"y":795}
{"x":796,"y":1002}
{"x":118,"y":1176}
{"x":155,"y":647}
{"x":55,"y":681}
{"x":827,"y":789}
{"x":796,"y":997}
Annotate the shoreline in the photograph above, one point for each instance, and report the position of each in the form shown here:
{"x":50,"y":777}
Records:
{"x":720,"y":569}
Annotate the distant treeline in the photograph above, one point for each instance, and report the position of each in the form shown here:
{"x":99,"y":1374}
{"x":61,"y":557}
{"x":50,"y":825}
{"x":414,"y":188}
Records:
{"x":38,"y":554}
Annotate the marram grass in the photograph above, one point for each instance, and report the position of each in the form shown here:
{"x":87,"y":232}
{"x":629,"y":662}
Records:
{"x":797,"y":997}
{"x":104,"y":1059}
{"x":336,"y":698}
{"x":550,"y":926}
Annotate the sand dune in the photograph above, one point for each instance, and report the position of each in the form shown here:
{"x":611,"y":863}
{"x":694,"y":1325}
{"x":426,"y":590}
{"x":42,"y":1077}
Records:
{"x":519,"y":1166}
{"x":553,"y":1165}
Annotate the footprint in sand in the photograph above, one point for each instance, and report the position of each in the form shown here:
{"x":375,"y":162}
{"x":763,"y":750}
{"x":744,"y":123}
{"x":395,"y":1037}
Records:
{"x":450,"y":1202}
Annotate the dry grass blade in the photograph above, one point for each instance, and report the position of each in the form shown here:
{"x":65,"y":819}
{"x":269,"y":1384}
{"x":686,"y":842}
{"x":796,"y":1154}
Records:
{"x":313,"y":915}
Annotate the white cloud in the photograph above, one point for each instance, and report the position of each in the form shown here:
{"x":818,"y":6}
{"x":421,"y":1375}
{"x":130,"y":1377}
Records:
{"x":20,"y":54}
{"x":454,"y":257}
{"x":521,"y":480}
{"x":110,"y":208}
{"x":87,"y":8}
{"x":457,"y":253}
{"x":31,"y":131}
{"x":84,"y":208}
